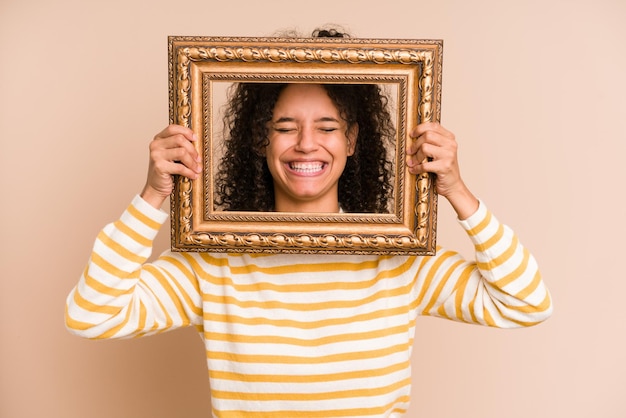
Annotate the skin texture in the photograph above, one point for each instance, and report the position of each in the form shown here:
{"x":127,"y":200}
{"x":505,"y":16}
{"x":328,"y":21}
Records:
{"x":244,"y":181}
{"x":171,"y":153}
{"x":431,"y":148}
{"x":308,"y":149}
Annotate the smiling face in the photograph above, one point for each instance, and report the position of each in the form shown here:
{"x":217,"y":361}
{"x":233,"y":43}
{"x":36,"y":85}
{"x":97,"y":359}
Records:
{"x":307,"y":151}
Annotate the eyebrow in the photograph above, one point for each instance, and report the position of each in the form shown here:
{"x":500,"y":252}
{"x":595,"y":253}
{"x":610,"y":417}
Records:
{"x":322,"y":119}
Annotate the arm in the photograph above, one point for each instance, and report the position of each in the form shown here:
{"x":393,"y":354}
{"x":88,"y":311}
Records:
{"x":503,"y":287}
{"x":118,"y":294}
{"x":433,"y":149}
{"x":171,"y":153}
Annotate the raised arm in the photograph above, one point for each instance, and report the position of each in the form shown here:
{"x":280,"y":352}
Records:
{"x":171,"y":153}
{"x":118,"y":294}
{"x":502,"y":287}
{"x":433,"y":149}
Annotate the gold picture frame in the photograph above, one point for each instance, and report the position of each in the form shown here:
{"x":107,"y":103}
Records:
{"x":198,"y":67}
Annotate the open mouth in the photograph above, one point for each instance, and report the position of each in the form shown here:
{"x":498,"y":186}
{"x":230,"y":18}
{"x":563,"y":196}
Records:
{"x":307,"y":167}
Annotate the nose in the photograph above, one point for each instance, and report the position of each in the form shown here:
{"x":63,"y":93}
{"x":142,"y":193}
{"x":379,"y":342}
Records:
{"x":306,"y":140}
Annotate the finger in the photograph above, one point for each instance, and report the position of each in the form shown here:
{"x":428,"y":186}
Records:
{"x":162,"y":171}
{"x":430,"y":151}
{"x":177,"y":136}
{"x":434,"y":127}
{"x":414,"y":144}
{"x":177,"y":142}
{"x":412,"y":147}
{"x":179,"y":156}
{"x":173,"y":130}
{"x":428,"y":166}
{"x":173,"y":168}
{"x":431,"y":133}
{"x":180,"y":143}
{"x":426,"y":152}
{"x":418,"y":167}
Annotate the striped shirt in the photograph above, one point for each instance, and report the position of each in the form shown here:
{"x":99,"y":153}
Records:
{"x":310,"y":335}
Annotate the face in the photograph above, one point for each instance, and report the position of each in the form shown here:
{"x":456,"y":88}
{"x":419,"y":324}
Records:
{"x":308,"y":149}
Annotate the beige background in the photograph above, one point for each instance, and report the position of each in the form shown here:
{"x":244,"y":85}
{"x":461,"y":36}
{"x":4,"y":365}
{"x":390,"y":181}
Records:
{"x":535,"y":92}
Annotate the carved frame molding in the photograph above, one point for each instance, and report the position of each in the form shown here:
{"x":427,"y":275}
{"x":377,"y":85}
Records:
{"x":196,"y":62}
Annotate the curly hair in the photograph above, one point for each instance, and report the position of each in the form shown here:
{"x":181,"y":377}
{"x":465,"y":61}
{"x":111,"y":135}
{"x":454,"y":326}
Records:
{"x":244,"y":182}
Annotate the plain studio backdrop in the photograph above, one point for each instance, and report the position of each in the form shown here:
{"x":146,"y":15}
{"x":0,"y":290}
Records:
{"x":535,"y":92}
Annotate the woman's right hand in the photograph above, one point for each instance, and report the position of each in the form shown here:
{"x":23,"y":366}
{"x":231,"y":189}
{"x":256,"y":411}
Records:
{"x":172,"y":152}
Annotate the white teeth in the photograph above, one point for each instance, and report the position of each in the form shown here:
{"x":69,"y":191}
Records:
{"x":306,"y":167}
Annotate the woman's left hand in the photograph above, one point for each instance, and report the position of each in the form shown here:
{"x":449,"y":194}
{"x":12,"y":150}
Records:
{"x":433,"y":149}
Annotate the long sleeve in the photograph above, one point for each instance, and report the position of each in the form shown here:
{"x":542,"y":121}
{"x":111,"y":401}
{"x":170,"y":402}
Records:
{"x":119,"y":295}
{"x":501,"y":288}
{"x":300,"y":335}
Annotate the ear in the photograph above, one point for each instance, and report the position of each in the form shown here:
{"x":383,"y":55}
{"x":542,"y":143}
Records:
{"x":353,"y":134}
{"x":260,"y":148}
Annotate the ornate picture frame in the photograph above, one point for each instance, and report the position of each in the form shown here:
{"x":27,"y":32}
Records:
{"x":200,"y":67}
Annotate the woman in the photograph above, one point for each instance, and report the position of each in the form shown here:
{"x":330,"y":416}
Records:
{"x":245,"y":181}
{"x":304,"y":335}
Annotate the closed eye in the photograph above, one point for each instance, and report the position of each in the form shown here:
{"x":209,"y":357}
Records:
{"x":284,"y":130}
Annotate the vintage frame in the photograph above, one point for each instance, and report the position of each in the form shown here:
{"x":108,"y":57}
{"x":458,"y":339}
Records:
{"x":413,"y":66}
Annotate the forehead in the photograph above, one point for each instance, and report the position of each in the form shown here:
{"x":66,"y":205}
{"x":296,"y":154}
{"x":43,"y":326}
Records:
{"x":305,"y":97}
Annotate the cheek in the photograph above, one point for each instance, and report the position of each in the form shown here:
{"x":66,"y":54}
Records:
{"x":268,"y":149}
{"x":272,"y":154}
{"x":349,"y":147}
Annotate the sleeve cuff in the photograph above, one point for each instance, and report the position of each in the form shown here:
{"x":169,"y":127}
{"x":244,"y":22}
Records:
{"x":156,"y":215}
{"x":476,"y":218}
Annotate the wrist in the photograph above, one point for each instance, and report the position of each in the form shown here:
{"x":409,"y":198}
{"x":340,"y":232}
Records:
{"x":152,"y":197}
{"x":464,"y":203}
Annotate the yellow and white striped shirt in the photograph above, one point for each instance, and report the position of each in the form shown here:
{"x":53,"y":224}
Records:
{"x":302,"y":335}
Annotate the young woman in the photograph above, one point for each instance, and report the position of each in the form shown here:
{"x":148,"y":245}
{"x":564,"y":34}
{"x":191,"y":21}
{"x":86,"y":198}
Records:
{"x":361,"y":111}
{"x":304,"y":335}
